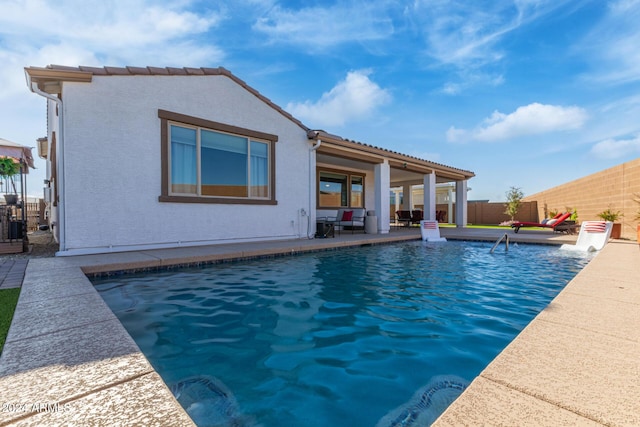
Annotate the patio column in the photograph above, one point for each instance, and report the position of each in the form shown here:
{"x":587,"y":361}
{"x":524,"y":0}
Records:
{"x":461,"y":203}
{"x":450,"y":202}
{"x":407,"y":197}
{"x":430,"y":196}
{"x":382,"y":173}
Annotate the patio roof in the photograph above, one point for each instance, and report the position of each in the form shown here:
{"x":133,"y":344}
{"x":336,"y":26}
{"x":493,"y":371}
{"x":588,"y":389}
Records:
{"x":334,"y":145}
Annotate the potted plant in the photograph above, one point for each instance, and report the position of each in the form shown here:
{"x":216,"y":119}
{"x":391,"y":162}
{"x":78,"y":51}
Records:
{"x":610,"y":215}
{"x":8,"y":169}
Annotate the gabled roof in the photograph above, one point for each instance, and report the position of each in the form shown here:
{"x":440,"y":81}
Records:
{"x":49,"y":79}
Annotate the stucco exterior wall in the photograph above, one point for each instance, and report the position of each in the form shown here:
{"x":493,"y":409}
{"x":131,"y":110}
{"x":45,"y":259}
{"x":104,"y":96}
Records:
{"x":611,"y":188}
{"x":113,"y":165}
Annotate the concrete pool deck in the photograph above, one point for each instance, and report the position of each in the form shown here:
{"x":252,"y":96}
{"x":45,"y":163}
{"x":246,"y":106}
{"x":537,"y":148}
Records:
{"x":68,"y":360}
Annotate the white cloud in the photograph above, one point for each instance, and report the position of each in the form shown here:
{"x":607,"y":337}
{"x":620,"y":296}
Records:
{"x":468,"y":79}
{"x":110,"y":29}
{"x":612,"y":46}
{"x":532,"y":119}
{"x":67,"y":32}
{"x":614,"y":149}
{"x":354,"y":98}
{"x":323,"y":27}
{"x":458,"y":135}
{"x":104,"y":24}
{"x":464,"y":33}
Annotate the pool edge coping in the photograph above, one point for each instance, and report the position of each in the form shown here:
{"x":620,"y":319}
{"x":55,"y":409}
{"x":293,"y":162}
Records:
{"x":63,"y":267}
{"x":559,"y":370}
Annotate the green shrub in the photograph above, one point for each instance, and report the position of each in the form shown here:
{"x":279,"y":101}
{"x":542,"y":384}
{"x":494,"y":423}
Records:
{"x":609,"y":215}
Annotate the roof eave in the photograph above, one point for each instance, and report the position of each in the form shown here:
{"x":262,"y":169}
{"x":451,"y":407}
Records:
{"x":396,"y":160}
{"x":49,"y":80}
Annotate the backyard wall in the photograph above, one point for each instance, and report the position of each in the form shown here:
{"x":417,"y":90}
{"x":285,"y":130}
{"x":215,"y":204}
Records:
{"x":611,"y":188}
{"x":493,"y":213}
{"x":484,"y":213}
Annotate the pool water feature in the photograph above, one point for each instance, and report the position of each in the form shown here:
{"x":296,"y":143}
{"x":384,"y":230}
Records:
{"x":380,"y":335}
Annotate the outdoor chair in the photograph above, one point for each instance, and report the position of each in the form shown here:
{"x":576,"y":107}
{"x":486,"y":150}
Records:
{"x":430,"y":231}
{"x":416,"y":216}
{"x":353,"y":218}
{"x":593,"y":236}
{"x":404,"y":217}
{"x":552,"y":223}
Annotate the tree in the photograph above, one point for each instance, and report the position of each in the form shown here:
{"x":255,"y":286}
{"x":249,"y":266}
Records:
{"x":514,"y":197}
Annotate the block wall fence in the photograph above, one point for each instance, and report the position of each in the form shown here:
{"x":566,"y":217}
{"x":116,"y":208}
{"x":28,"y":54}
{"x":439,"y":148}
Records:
{"x":492,"y":213}
{"x":615,"y":188}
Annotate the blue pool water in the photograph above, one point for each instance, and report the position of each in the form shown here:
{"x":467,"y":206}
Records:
{"x":381,"y":335}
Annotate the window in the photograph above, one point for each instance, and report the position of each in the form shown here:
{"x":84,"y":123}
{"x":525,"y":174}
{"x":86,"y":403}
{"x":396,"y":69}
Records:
{"x":338,"y":189}
{"x":357,"y":194}
{"x":209,"y":162}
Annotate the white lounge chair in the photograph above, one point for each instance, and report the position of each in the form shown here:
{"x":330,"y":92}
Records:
{"x":430,"y":231}
{"x":593,"y":236}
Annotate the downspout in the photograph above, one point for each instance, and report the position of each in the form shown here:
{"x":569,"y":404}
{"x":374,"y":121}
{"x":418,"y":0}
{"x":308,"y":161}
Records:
{"x":312,"y":184}
{"x":60,"y":156}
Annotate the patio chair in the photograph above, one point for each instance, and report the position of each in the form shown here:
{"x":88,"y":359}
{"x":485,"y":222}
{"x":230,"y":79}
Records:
{"x":353,"y":218}
{"x":593,"y":236}
{"x":552,"y":223}
{"x":416,"y":216}
{"x":430,"y":231}
{"x":404,"y":217}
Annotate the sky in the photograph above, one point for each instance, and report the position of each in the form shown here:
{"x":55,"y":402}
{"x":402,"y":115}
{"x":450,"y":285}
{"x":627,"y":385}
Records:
{"x":524,"y":93}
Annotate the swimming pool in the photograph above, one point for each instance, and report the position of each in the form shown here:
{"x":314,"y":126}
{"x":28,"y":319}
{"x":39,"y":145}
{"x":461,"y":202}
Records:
{"x":351,"y":337}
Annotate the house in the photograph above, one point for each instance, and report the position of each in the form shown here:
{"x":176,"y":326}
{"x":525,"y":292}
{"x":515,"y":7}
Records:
{"x":143,"y":158}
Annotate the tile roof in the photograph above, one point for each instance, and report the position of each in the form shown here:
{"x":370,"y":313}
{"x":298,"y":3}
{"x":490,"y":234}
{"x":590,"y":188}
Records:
{"x":313,"y":134}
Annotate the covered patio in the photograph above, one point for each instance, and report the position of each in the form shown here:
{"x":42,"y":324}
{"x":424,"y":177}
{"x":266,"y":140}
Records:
{"x":350,"y":174}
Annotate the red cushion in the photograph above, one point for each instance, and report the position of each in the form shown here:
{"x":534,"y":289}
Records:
{"x":347,"y":215}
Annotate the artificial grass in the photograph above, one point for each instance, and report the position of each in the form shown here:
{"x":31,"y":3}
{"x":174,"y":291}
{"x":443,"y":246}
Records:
{"x":8,"y":302}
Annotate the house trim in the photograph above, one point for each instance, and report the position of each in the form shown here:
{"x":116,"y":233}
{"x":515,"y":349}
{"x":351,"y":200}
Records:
{"x":196,"y":121}
{"x":337,"y":146}
{"x":166,"y":116}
